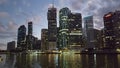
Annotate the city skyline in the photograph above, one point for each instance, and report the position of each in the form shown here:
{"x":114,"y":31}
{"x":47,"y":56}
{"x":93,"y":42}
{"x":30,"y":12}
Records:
{"x":25,"y":11}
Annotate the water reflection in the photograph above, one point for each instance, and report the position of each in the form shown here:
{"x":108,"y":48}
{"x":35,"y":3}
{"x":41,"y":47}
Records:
{"x":60,"y":61}
{"x":36,"y":61}
{"x":69,"y":61}
{"x":10,"y":61}
{"x":88,"y":61}
{"x":112,"y":61}
{"x":100,"y":61}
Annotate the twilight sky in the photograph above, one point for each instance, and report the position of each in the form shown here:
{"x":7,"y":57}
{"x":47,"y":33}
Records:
{"x":14,"y":13}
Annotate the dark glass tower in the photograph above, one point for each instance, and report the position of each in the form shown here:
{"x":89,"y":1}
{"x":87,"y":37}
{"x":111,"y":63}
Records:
{"x":52,"y":27}
{"x":44,"y":39}
{"x":75,"y":31}
{"x":89,"y":32}
{"x":29,"y":37}
{"x":112,"y":30}
{"x":21,"y":39}
{"x":30,"y":30}
{"x":63,"y":27}
{"x":11,"y":45}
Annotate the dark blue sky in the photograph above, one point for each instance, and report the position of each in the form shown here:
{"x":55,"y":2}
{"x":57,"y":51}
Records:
{"x":14,"y":13}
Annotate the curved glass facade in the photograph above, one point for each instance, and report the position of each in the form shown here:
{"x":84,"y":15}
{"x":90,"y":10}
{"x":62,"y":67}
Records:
{"x":63,"y":27}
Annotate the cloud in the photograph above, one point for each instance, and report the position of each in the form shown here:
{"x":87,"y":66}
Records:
{"x":7,"y":35}
{"x":12,"y":26}
{"x":26,"y":3}
{"x":30,"y":16}
{"x":14,"y":3}
{"x":95,"y":7}
{"x":8,"y":28}
{"x":35,"y":19}
{"x":2,"y":28}
{"x":63,"y":3}
{"x":2,"y":46}
{"x":4,"y":14}
{"x":3,"y":1}
{"x":8,"y":31}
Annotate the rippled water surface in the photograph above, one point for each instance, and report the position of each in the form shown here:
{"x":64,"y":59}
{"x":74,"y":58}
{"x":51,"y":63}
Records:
{"x":59,"y":61}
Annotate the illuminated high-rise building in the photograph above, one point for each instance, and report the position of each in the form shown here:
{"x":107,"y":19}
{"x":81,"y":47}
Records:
{"x":11,"y":46}
{"x":75,"y":31}
{"x":89,"y":32}
{"x":63,"y":28}
{"x":44,"y":39}
{"x":58,"y":38}
{"x":52,"y":27}
{"x":29,"y":37}
{"x":21,"y":39}
{"x":38,"y":45}
{"x":30,"y":28}
{"x":98,"y":36}
{"x":34,"y":42}
{"x":112,"y":30}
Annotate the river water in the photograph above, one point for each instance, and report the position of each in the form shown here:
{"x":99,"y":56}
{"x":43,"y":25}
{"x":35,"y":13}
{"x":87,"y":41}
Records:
{"x":67,"y":60}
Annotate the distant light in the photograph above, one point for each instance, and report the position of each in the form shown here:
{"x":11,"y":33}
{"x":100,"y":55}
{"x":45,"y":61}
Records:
{"x":118,"y":50}
{"x":86,"y":50}
{"x":60,"y":51}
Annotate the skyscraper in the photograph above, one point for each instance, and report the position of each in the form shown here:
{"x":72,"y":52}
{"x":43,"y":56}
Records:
{"x":38,"y":45}
{"x":112,"y":28}
{"x":29,"y":37}
{"x":98,"y":36}
{"x":75,"y":31}
{"x":63,"y":27}
{"x":44,"y":39}
{"x":58,"y":38}
{"x":21,"y":39}
{"x":11,"y":46}
{"x":34,"y":42}
{"x":52,"y":27}
{"x":89,"y":32}
{"x":30,"y":28}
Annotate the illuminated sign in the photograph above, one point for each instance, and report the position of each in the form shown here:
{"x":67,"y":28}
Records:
{"x":108,"y":15}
